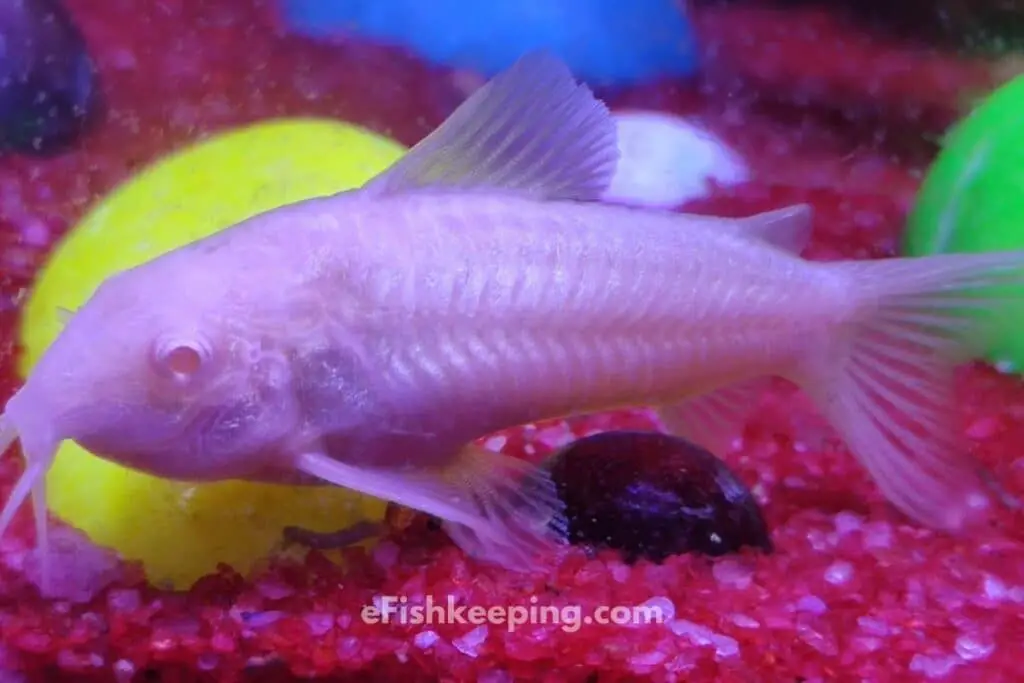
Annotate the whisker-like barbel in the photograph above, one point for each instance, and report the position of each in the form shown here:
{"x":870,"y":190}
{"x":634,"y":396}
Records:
{"x":23,"y":486}
{"x":8,"y":434}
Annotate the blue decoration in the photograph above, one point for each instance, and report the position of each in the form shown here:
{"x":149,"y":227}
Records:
{"x":604,"y":42}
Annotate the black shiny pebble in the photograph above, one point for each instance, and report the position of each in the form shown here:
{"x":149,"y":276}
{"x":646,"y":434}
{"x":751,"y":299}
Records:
{"x":653,"y":495}
{"x":48,"y":84}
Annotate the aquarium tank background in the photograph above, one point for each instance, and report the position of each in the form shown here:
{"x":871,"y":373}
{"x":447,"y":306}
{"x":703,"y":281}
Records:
{"x":744,"y":543}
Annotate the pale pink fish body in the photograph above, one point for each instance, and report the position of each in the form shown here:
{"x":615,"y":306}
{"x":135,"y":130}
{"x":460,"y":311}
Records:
{"x":509,"y":310}
{"x":366,"y":339}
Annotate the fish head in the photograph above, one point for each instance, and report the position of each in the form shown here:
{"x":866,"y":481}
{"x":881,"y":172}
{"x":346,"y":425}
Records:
{"x":162,"y":370}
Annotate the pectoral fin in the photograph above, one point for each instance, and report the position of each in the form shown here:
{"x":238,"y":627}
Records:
{"x":497,"y":508}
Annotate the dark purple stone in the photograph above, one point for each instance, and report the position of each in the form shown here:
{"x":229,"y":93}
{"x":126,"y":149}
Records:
{"x":48,"y":88}
{"x":653,"y":495}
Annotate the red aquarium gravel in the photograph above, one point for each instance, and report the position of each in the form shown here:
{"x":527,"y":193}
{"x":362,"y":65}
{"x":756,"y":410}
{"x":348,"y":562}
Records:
{"x":851,"y":591}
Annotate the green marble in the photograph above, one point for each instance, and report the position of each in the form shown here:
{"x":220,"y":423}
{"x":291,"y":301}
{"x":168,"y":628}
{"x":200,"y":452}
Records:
{"x":972,"y":200}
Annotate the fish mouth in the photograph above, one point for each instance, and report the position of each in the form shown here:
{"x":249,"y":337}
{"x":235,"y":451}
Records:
{"x":39,"y":449}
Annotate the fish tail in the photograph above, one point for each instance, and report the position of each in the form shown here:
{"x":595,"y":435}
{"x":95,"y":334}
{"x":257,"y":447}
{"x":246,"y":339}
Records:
{"x":885,"y":375}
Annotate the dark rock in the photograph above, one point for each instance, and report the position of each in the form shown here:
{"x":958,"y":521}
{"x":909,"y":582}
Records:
{"x":653,"y":495}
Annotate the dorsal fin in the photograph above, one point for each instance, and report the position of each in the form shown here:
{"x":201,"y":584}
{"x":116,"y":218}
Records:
{"x":788,"y":228}
{"x":532,"y":130}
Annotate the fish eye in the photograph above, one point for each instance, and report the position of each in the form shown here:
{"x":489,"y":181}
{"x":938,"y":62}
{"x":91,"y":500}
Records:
{"x":181,"y":359}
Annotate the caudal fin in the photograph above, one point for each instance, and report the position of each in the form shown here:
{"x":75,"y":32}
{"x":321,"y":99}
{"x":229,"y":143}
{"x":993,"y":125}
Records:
{"x":886,"y":381}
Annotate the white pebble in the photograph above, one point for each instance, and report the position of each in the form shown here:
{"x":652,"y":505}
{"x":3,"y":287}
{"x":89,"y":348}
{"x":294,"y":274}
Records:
{"x":847,"y":522}
{"x":933,"y":666}
{"x":867,"y":643}
{"x":821,"y":541}
{"x":470,"y":642}
{"x":995,"y":588}
{"x":658,"y":609}
{"x":915,"y":597}
{"x":873,"y":626}
{"x":425,"y":639}
{"x":35,"y":233}
{"x":811,"y":604}
{"x":972,"y":647}
{"x":877,"y":535}
{"x":496,"y":443}
{"x":620,"y":572}
{"x":743,"y":621}
{"x":647,"y":659}
{"x":319,"y":623}
{"x":698,"y":635}
{"x":666,"y":161}
{"x":725,"y":646}
{"x":124,"y":671}
{"x":978,"y":501}
{"x":556,"y":436}
{"x":824,"y":643}
{"x":123,"y":599}
{"x":839,"y":573}
{"x":732,"y":573}
{"x":258,"y":620}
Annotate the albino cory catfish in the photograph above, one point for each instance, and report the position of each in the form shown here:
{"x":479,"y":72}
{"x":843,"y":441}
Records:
{"x":367,"y":338}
